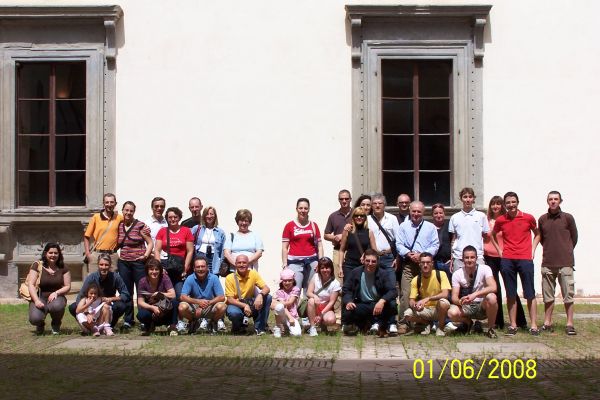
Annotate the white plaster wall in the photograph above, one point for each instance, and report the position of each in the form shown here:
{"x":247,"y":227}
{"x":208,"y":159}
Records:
{"x":248,"y":104}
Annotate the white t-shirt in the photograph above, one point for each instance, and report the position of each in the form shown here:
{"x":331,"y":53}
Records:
{"x":325,"y":294}
{"x":469,"y":228}
{"x":459,"y":279}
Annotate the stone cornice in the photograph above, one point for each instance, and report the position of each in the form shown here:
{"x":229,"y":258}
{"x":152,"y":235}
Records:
{"x":59,"y":12}
{"x":477,"y":13}
{"x":109,"y":15}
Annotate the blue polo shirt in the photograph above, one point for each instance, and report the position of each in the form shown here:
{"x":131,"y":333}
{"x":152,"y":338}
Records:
{"x":207,"y":290}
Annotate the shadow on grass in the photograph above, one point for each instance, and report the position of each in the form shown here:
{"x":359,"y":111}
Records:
{"x":159,"y":377}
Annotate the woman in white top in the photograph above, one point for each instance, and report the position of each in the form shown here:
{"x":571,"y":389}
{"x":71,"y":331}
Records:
{"x":244,"y":241}
{"x":323,"y":291}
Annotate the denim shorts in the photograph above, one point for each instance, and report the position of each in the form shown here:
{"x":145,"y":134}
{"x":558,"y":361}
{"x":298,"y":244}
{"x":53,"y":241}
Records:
{"x":510,"y":268}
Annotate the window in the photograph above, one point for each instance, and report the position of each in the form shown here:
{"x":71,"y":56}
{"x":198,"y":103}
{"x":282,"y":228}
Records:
{"x":51,"y":129}
{"x":417,"y":82}
{"x":416,"y":129}
{"x":57,"y":125}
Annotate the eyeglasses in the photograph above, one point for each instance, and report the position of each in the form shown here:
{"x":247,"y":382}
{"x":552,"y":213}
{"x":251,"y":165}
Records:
{"x":344,"y":198}
{"x":359,"y":216}
{"x":158,"y":206}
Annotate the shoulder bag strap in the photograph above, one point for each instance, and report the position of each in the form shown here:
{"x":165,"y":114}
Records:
{"x":325,"y":286}
{"x":103,"y":234}
{"x":472,"y":285}
{"x":198,"y":227}
{"x":360,"y":248}
{"x":237,"y":286}
{"x":168,"y":248}
{"x":416,"y":236}
{"x":387,"y":237}
{"x":315,"y":239}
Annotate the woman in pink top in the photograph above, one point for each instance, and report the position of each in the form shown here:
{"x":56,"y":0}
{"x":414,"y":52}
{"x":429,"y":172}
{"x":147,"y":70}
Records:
{"x":492,"y":259}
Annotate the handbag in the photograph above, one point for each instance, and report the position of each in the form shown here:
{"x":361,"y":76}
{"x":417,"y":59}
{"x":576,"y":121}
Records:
{"x":24,"y":288}
{"x":175,"y":264}
{"x":160,"y":300}
{"x":226,"y":267}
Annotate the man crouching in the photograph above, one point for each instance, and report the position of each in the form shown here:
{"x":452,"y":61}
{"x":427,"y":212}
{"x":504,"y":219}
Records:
{"x":474,"y":293}
{"x":429,"y":296}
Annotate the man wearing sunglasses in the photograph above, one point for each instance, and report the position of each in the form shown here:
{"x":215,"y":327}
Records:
{"x":335,"y":226}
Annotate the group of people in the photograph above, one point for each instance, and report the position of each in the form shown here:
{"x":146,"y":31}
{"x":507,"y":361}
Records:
{"x":443,"y":273}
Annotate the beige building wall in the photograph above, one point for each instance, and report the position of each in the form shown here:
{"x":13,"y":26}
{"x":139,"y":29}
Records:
{"x":248,"y":105}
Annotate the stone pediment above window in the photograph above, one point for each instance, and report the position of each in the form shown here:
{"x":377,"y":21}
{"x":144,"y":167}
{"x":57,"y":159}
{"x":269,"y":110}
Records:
{"x":403,"y":14}
{"x":108,"y":15}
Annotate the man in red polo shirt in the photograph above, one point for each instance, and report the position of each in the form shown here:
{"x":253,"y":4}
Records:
{"x":517,"y":258}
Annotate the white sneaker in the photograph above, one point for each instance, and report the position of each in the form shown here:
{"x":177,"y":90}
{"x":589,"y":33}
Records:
{"x":450,"y":327}
{"x":305,"y":322}
{"x":374,"y":328}
{"x":203,"y":324}
{"x":181,"y":327}
{"x":277,"y":332}
{"x":221,"y":326}
{"x":312,"y":331}
{"x":393,"y":330}
{"x":427,"y":330}
{"x":440,"y":333}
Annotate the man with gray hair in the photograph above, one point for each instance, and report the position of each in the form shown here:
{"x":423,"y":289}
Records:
{"x":385,"y":228}
{"x":415,"y":236}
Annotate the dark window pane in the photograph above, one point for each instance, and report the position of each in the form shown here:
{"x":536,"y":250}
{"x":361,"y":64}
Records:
{"x":33,"y":116}
{"x":33,"y":188}
{"x":70,"y":152}
{"x":397,"y":78}
{"x":70,"y":188}
{"x":398,"y":152}
{"x":34,"y":81}
{"x":70,"y":116}
{"x":70,"y":81}
{"x":395,"y":183}
{"x":434,"y":116}
{"x":397,"y":116}
{"x":33,"y":152}
{"x":434,"y":152}
{"x":434,"y":78}
{"x":434,"y":187}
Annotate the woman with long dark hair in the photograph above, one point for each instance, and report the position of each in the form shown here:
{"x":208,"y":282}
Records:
{"x":54,"y":284}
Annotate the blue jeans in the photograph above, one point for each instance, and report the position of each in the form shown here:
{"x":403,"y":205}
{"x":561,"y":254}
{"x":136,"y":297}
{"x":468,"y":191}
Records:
{"x":510,"y":268}
{"x":260,"y":317}
{"x":362,"y":316}
{"x":385,"y":263}
{"x":131,"y":272}
{"x":304,"y":269}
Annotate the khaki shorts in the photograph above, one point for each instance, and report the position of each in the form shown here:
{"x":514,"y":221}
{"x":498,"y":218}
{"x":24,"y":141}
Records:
{"x":474,"y":311}
{"x":198,"y":312}
{"x":566,"y":280}
{"x":428,"y":313}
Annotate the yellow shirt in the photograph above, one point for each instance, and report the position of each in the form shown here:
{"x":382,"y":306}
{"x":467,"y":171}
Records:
{"x":97,"y":226}
{"x":247,"y":284}
{"x":429,"y":287}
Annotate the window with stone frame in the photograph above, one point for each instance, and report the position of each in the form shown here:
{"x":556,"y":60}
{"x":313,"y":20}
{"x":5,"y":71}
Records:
{"x":416,"y":95}
{"x":51,"y":133}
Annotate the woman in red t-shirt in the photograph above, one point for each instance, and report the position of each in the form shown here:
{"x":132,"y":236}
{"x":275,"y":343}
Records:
{"x":301,"y":245}
{"x":178,"y":242}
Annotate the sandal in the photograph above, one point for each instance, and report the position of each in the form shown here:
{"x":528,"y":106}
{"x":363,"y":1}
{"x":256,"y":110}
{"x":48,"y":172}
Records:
{"x":570,"y":330}
{"x":511,"y":331}
{"x":548,"y":328}
{"x":534,"y":332}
